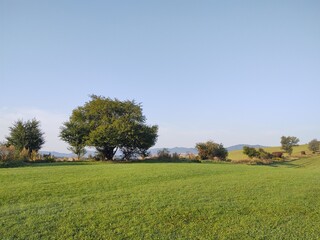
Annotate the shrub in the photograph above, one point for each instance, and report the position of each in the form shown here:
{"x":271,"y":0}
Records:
{"x":7,"y":153}
{"x":48,"y":158}
{"x":13,"y":163}
{"x":211,"y":150}
{"x":24,"y":154}
{"x":264,"y":155}
{"x":9,"y":156}
{"x":175,"y":156}
{"x":314,"y":145}
{"x":250,"y":152}
{"x":253,"y":153}
{"x":192,"y":156}
{"x":34,"y":156}
{"x":164,"y":154}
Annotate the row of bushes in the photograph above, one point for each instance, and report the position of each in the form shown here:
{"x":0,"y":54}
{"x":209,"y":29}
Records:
{"x":11,"y":157}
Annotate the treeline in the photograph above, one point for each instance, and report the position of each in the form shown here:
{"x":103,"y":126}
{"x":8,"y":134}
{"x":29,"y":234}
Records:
{"x":106,"y":124}
{"x":110,"y":125}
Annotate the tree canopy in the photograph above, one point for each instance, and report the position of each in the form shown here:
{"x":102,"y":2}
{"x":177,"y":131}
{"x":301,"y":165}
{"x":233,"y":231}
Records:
{"x":26,"y":135}
{"x":75,"y":134}
{"x":314,"y":145}
{"x":287,"y":143}
{"x":211,"y":150}
{"x":253,"y":153}
{"x":108,"y":125}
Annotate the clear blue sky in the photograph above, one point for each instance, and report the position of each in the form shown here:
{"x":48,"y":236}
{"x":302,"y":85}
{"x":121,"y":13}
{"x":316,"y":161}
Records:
{"x":230,"y":71}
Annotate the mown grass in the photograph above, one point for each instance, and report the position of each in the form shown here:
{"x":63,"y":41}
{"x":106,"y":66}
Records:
{"x":238,"y":154}
{"x":161,"y":201}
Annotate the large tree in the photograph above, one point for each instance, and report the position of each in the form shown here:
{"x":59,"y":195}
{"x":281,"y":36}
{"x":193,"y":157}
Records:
{"x":111,"y":124}
{"x":287,"y":143}
{"x":26,"y":135}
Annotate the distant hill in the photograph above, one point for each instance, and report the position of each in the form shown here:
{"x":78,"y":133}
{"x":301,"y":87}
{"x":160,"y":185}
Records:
{"x":240,"y":147}
{"x":154,"y":151}
{"x":179,"y":150}
{"x":65,"y":155}
{"x":183,"y":150}
{"x":58,"y":154}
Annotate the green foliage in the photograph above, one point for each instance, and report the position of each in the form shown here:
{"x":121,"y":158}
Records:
{"x":137,"y":139}
{"x":238,"y":155}
{"x":12,"y":164}
{"x":26,"y":135}
{"x":253,"y":153}
{"x":48,"y":158}
{"x":175,"y":156}
{"x":164,"y":154}
{"x":75,"y":133}
{"x":211,"y":150}
{"x":264,"y":155}
{"x":287,"y":143}
{"x":250,"y":152}
{"x":108,"y":125}
{"x":314,"y":145}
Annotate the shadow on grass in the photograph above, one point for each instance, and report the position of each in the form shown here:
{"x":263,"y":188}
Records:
{"x":52,"y":164}
{"x":21,"y":164}
{"x":165,"y":161}
{"x":287,"y":164}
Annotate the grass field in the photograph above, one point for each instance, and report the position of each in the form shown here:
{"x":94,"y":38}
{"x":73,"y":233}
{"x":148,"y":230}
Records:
{"x":238,"y":155}
{"x":161,"y":201}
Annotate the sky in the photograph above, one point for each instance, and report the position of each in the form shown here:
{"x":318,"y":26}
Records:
{"x":229,"y":71}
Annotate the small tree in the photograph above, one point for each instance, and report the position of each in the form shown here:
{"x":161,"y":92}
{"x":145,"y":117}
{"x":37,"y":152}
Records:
{"x":164,"y":154}
{"x":250,"y":152}
{"x":287,"y":143}
{"x":26,"y":135}
{"x":75,"y":134}
{"x":253,"y":153}
{"x":221,"y":152}
{"x":210,"y":150}
{"x":314,"y":145}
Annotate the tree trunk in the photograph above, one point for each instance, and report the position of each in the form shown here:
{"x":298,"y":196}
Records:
{"x":107,"y":152}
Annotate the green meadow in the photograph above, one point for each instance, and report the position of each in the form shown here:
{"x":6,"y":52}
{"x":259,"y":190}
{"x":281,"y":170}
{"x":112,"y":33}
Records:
{"x":238,"y":154}
{"x":161,"y":201}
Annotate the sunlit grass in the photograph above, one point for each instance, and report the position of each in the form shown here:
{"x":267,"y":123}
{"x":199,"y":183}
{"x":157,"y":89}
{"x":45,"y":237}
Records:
{"x":238,"y":154}
{"x":161,"y":201}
